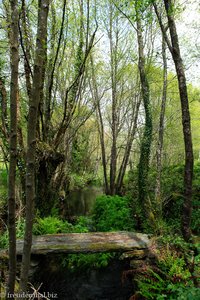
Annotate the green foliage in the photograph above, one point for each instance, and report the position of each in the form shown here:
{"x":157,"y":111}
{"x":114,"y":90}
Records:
{"x":172,"y":195}
{"x":171,"y":278}
{"x":167,"y":283}
{"x":81,"y":180}
{"x":172,"y":183}
{"x":181,"y":292}
{"x":174,"y":240}
{"x":20,"y":228}
{"x":3,"y":177}
{"x":51,"y":225}
{"x":82,"y":262}
{"x":150,"y":285}
{"x":48,"y":225}
{"x":83,"y":224}
{"x":4,"y":240}
{"x":174,"y":266}
{"x":112,"y":213}
{"x":3,"y":189}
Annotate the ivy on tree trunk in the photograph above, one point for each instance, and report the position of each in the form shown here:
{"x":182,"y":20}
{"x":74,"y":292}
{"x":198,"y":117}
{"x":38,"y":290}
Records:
{"x":145,"y":148}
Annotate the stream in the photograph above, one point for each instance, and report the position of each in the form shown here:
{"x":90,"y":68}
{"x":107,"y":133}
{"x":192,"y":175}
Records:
{"x":80,"y":202}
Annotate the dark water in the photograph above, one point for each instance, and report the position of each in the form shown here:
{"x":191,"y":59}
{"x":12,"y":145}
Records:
{"x":80,"y":202}
{"x":100,"y":284}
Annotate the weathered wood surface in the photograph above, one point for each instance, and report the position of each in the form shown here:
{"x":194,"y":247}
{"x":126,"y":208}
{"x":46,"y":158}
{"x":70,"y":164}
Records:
{"x":87,"y":242}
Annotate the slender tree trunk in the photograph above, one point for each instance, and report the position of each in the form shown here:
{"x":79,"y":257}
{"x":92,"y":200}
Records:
{"x":175,"y":50}
{"x":13,"y":145}
{"x":143,"y":167}
{"x":103,"y":148}
{"x":26,"y":47}
{"x":161,"y":134}
{"x":113,"y":157}
{"x":100,"y":128}
{"x":40,"y":57}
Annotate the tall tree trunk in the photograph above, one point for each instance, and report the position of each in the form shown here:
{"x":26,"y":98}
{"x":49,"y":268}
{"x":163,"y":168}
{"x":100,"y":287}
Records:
{"x":26,"y":49}
{"x":13,"y":145}
{"x":175,"y":50}
{"x":159,"y":151}
{"x":40,"y":57}
{"x":94,"y":90}
{"x":143,"y":167}
{"x":189,"y":160}
{"x":113,"y":157}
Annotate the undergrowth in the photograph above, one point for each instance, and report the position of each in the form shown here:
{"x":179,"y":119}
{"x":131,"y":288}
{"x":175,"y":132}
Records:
{"x":176,"y":274}
{"x":112,"y":213}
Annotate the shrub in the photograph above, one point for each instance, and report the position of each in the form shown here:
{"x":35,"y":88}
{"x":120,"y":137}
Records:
{"x":112,"y":213}
{"x":51,"y":225}
{"x":83,"y":224}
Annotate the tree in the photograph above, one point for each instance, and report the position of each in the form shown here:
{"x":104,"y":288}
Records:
{"x":117,"y":99}
{"x":13,"y":37}
{"x":176,"y":55}
{"x":159,"y":151}
{"x":145,"y":147}
{"x":95,"y":92}
{"x":38,"y":78}
{"x":66,"y":57}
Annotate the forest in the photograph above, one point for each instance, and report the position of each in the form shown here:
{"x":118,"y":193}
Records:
{"x":100,"y":133}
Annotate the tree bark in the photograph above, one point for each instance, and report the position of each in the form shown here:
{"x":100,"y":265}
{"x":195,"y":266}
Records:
{"x":47,"y":164}
{"x":26,"y":47}
{"x":189,"y":160}
{"x":100,"y":127}
{"x":159,"y":151}
{"x":143,"y":167}
{"x":13,"y":144}
{"x":40,"y":57}
{"x":113,"y":157}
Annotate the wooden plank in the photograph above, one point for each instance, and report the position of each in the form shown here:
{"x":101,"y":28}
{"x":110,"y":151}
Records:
{"x":87,"y":242}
